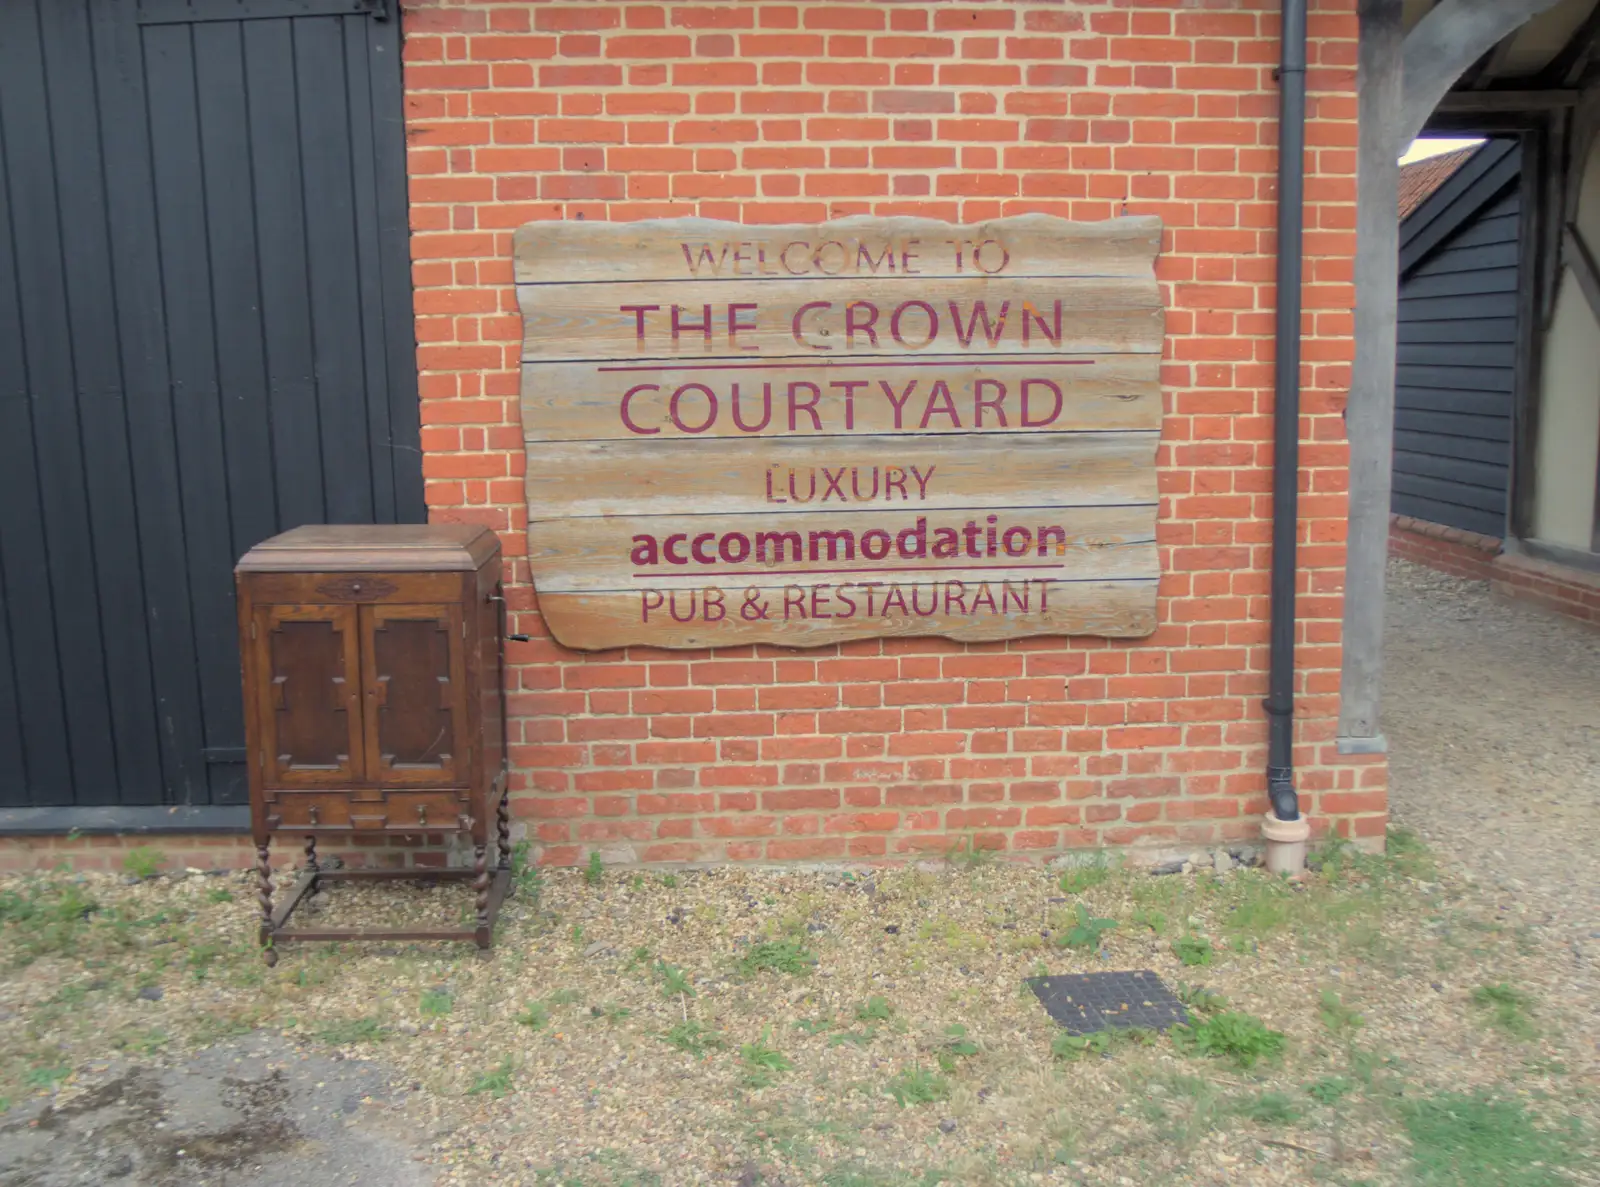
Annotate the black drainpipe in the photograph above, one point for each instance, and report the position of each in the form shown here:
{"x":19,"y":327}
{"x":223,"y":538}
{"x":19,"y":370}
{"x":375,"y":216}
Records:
{"x":1286,"y":411}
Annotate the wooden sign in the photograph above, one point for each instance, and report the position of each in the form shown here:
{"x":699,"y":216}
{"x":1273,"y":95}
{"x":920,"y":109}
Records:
{"x":873,"y":426}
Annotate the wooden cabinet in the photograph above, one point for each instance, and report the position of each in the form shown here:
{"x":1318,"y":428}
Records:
{"x":374,"y":699}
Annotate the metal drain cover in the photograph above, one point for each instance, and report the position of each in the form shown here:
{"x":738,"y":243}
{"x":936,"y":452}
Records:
{"x":1086,"y":1002}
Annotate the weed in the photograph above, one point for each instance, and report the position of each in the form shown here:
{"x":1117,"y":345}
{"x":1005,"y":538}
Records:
{"x":1087,"y":931}
{"x":595,"y":870}
{"x":218,"y":894}
{"x":765,"y":1063}
{"x":436,"y":1003}
{"x":1508,"y":1008}
{"x":814,"y":1026}
{"x":144,"y":862}
{"x":563,"y":997}
{"x":1086,"y":877}
{"x":917,"y":1086}
{"x":535,"y":1017}
{"x":1269,"y":1108}
{"x":496,"y":1083}
{"x":636,"y":882}
{"x":1198,"y":997}
{"x":674,"y":981}
{"x":1329,"y":1089}
{"x":875,"y":1009}
{"x":967,"y":854}
{"x":956,"y":1045}
{"x":525,"y":875}
{"x":779,"y":956}
{"x":693,"y":1037}
{"x":1103,"y":1043}
{"x":1243,"y":1038}
{"x":349,"y":1031}
{"x":1339,"y":1018}
{"x":670,"y":881}
{"x":1192,"y":950}
{"x":1470,"y":1139}
{"x":610,"y":1011}
{"x":640,"y":955}
{"x":1156,"y":921}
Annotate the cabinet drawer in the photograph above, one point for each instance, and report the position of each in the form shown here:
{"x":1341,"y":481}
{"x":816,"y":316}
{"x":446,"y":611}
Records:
{"x":414,"y":811}
{"x":298,"y":809}
{"x":348,"y":588}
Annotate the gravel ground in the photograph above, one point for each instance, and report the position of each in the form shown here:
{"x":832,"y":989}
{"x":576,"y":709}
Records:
{"x":870,"y":1028}
{"x":1492,"y":709}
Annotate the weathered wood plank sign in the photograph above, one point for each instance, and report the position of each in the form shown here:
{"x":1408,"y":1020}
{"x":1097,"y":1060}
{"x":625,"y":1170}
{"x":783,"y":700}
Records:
{"x":873,"y":426}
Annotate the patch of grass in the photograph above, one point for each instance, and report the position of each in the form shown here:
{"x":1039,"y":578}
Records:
{"x":1104,"y":1043}
{"x":48,"y":1076}
{"x":1268,"y":1108}
{"x":670,"y":881}
{"x":611,"y":1012}
{"x":45,"y":918}
{"x":693,"y":1037}
{"x":792,"y":956}
{"x":435,"y":1003}
{"x":763,"y":1063}
{"x":143,"y":862}
{"x":875,"y":1009}
{"x":346,"y":1032}
{"x":595,"y":870}
{"x":917,"y":1086}
{"x":496,"y":1083}
{"x":1264,"y":904}
{"x":814,"y":1026}
{"x":1475,"y":1139}
{"x":1242,"y":1038}
{"x":219,"y":894}
{"x":1507,"y":1008}
{"x":1340,"y":1019}
{"x":674,"y":981}
{"x":1193,"y":951}
{"x":535,"y":1017}
{"x":856,"y":1038}
{"x":1085,"y":877}
{"x":563,"y":997}
{"x":1409,"y":856}
{"x":1087,"y":931}
{"x":1329,"y":1090}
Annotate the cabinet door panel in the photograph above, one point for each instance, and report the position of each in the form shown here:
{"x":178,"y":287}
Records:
{"x":308,"y":658}
{"x":415,"y":678}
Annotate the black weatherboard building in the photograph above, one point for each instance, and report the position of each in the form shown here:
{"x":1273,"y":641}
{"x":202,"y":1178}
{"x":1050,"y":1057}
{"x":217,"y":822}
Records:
{"x":1457,"y":338}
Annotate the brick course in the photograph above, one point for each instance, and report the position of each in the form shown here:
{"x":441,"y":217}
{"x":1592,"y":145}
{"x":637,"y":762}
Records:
{"x":1572,"y":592}
{"x":769,"y":111}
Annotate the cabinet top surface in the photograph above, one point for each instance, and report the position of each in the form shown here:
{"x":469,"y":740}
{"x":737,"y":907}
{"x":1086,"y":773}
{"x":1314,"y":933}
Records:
{"x":399,"y":547}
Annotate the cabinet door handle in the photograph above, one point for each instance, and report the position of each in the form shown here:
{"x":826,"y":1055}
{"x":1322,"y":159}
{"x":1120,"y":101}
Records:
{"x":422,"y":814}
{"x":313,"y":811}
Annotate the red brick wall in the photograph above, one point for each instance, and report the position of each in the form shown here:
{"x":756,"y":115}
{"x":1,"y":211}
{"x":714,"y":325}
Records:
{"x":782,"y":111}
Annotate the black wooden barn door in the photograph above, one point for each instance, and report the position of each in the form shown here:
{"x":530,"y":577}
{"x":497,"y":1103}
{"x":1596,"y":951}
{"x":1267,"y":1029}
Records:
{"x":205,"y":338}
